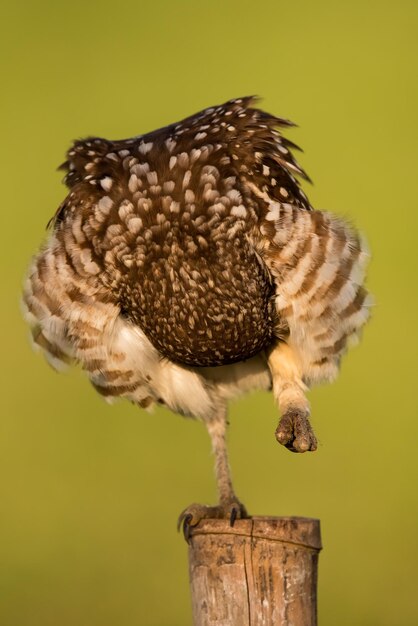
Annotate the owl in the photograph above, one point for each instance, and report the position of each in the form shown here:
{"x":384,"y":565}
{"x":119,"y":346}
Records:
{"x":186,"y":267}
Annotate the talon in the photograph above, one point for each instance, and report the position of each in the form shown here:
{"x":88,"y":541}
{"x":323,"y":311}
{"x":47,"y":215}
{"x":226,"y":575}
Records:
{"x":191,"y":516}
{"x":180,"y":519}
{"x":233,"y":516}
{"x":187,"y":527}
{"x":184,"y":523}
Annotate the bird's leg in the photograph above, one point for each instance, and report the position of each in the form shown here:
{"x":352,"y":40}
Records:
{"x":217,"y":431}
{"x":294,"y":430}
{"x":229,"y":506}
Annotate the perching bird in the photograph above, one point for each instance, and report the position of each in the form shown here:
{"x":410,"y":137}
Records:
{"x":186,"y":266}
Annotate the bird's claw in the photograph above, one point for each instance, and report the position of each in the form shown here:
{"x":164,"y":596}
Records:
{"x":185,"y":523}
{"x":190,"y":517}
{"x":295,"y":432}
{"x":233,"y":516}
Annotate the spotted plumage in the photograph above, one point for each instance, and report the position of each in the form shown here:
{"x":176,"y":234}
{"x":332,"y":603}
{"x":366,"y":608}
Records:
{"x":186,"y":271}
{"x":187,"y":265}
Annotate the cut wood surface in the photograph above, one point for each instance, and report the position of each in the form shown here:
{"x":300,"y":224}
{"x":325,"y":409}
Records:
{"x":260,"y":572}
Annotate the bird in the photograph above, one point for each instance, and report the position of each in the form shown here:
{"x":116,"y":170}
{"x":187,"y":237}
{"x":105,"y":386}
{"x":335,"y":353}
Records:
{"x":186,"y":267}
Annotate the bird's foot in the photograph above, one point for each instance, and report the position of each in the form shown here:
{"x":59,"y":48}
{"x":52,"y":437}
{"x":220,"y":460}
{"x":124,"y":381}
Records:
{"x":194,"y":513}
{"x":295,"y":431}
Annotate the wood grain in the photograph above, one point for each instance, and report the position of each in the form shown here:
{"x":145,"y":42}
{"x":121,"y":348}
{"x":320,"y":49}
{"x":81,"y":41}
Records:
{"x":260,"y":572}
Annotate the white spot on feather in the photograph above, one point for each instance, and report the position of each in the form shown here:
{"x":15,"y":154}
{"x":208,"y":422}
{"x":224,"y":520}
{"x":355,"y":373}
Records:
{"x":125,"y":209}
{"x":239,"y":211}
{"x":134,"y":225}
{"x":175,"y":207}
{"x":144,"y":148}
{"x":105,"y":204}
{"x":186,"y":179}
{"x":171,"y":144}
{"x":152,"y":178}
{"x":234,"y":195}
{"x":195,"y":154}
{"x":273,"y":214}
{"x":140,"y":169}
{"x":133,"y":183}
{"x":106,"y":183}
{"x":168,"y":186}
{"x":183,"y":159}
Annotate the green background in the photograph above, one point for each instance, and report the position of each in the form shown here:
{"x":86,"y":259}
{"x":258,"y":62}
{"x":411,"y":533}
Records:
{"x":90,"y":493}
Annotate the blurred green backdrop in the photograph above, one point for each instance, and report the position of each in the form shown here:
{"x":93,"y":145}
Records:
{"x":90,"y":493}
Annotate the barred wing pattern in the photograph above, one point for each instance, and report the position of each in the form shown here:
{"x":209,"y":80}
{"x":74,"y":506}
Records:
{"x":318,"y":264}
{"x":190,"y":248}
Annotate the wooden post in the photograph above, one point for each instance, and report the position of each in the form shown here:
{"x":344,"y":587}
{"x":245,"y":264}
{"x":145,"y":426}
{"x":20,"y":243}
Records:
{"x":260,"y":572}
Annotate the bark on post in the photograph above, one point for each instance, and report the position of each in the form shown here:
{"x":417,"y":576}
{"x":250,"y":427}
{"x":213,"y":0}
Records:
{"x":260,"y":572}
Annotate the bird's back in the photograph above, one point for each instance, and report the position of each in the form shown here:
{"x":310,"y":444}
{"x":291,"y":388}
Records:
{"x":166,"y":223}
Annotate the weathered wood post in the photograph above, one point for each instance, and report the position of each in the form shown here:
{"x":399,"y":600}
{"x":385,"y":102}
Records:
{"x":260,"y":572}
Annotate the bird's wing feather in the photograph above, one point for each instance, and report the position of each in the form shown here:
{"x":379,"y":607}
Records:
{"x":318,"y":262}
